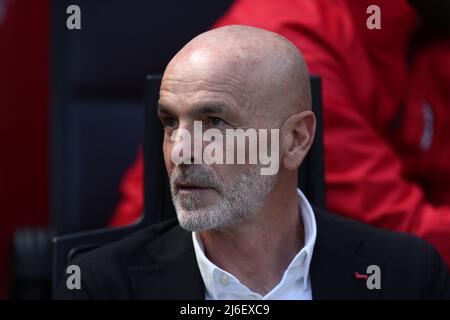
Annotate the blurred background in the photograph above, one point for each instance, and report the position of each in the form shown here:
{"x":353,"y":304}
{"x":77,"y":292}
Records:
{"x":24,"y":121}
{"x":71,"y":113}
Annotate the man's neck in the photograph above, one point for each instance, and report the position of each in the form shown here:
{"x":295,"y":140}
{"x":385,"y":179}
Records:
{"x":258,"y":252}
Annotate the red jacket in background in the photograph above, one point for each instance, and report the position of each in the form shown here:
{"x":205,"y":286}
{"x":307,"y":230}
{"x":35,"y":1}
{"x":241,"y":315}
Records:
{"x":386,"y":112}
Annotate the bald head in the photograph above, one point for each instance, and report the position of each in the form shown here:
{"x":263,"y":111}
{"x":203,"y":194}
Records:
{"x":263,"y":70}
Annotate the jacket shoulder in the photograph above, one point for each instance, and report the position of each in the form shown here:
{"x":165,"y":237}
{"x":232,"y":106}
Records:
{"x":132,"y":246}
{"x":410,"y":267}
{"x":372,"y":240}
{"x":104,"y":269}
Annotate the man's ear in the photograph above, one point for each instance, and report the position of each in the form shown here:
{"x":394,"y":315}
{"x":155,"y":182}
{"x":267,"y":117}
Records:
{"x":298,"y":136}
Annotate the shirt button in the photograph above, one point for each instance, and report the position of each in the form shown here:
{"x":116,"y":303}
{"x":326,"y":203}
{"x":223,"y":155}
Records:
{"x":223,"y":280}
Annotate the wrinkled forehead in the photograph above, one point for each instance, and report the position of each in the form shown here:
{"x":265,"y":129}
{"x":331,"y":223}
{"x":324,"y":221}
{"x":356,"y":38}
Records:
{"x":203,"y":75}
{"x":213,"y":66}
{"x":198,"y":83}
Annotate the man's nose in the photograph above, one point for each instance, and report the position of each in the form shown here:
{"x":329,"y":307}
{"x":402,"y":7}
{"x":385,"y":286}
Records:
{"x":191,"y":144}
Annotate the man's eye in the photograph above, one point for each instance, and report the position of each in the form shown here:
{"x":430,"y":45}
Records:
{"x":216,"y":122}
{"x":169,"y":123}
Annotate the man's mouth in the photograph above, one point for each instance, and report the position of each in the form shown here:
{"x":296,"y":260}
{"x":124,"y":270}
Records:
{"x":190,"y":187}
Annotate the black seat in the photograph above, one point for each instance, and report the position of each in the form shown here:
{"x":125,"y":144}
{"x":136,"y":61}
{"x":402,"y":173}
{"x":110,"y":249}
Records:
{"x":157,"y":203}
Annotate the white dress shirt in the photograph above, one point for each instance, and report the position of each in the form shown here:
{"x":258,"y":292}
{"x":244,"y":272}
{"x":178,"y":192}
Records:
{"x":295,"y":284}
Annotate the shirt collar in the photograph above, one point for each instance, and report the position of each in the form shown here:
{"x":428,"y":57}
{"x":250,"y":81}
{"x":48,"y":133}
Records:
{"x":298,"y":269}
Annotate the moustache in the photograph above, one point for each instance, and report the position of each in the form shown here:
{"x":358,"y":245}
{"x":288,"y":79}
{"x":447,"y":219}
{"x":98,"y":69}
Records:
{"x":195,"y":175}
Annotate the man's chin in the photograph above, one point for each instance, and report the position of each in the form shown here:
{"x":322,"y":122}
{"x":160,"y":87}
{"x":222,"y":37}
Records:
{"x":196,"y":200}
{"x":198,"y":219}
{"x":194,"y":228}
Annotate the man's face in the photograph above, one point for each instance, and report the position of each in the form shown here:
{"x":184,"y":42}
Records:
{"x":208,"y":196}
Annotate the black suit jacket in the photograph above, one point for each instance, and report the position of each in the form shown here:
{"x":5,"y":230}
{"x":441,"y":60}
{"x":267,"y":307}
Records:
{"x":159,"y":263}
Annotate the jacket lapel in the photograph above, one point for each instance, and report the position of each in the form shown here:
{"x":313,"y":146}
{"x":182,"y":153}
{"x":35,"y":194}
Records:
{"x":335,"y":262}
{"x":173,"y":271}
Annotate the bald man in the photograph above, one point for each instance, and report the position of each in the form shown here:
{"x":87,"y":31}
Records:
{"x":240,"y":233}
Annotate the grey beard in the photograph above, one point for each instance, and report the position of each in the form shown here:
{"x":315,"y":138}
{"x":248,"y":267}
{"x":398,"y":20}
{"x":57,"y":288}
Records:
{"x":237,"y":203}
